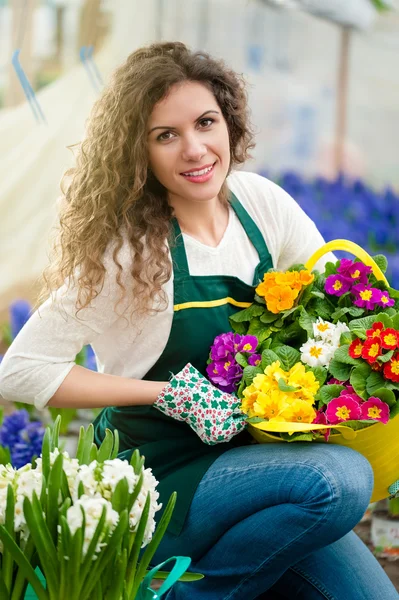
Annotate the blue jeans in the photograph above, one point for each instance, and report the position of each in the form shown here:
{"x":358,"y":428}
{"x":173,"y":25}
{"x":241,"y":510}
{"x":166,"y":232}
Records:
{"x":274,"y":521}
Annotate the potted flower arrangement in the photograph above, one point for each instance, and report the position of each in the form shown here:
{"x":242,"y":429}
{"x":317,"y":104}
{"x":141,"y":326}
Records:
{"x":87,"y":523}
{"x":315,"y":357}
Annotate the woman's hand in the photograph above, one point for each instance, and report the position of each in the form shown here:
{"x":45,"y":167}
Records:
{"x":215,"y":416}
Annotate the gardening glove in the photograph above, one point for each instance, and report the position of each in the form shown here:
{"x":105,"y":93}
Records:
{"x":215,"y":416}
{"x":394,"y":489}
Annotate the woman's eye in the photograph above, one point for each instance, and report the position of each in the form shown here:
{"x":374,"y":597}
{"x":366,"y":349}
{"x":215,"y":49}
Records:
{"x":206,"y":122}
{"x":164,"y":136}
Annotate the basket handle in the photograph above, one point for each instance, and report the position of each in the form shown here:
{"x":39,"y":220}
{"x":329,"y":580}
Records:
{"x":351,"y":247}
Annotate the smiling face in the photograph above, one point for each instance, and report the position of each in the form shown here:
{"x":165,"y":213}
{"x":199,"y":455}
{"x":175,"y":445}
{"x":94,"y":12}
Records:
{"x":188,"y":143}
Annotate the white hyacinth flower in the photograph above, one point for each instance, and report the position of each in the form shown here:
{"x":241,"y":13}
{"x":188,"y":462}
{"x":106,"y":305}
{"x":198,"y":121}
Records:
{"x":149,"y":486}
{"x":316,"y":353}
{"x":92,"y":508}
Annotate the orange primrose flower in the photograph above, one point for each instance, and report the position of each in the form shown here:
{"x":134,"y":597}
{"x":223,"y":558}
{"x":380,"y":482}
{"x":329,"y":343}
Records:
{"x":280,"y":298}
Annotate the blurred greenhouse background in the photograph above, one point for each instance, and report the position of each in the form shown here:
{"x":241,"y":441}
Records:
{"x":324,"y":94}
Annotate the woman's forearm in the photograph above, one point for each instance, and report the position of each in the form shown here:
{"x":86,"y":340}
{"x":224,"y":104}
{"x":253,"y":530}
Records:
{"x":83,"y":388}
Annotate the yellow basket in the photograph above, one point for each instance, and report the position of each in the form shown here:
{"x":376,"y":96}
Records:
{"x":378,"y":443}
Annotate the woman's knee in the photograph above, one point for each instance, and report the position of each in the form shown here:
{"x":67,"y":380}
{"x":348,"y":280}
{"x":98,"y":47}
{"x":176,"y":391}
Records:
{"x":343,"y":479}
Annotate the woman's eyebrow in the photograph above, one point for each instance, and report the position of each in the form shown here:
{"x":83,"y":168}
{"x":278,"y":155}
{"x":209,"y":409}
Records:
{"x":216,"y":112}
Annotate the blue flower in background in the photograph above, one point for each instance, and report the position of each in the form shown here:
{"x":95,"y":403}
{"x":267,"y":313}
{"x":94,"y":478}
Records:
{"x":366,"y":217}
{"x":23,"y":437}
{"x":20,"y":311}
{"x":90,"y":362}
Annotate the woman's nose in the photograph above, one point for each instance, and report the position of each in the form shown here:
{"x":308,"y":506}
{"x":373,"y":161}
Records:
{"x":193,"y":149}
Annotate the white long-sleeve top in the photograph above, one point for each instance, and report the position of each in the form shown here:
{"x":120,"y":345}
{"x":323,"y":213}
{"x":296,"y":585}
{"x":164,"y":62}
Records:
{"x":44,"y":352}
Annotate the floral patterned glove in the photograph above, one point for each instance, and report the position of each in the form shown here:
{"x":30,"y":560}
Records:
{"x":215,"y":416}
{"x":394,"y":489}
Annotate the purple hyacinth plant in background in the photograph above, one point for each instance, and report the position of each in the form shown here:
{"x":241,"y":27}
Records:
{"x":22,"y":437}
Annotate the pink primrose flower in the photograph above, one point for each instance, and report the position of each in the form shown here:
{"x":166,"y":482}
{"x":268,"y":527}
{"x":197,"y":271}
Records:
{"x":375,"y":409}
{"x":344,"y":408}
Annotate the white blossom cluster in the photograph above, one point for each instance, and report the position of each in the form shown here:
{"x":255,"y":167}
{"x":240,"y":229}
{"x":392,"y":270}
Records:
{"x":92,"y":508}
{"x":99,"y":481}
{"x":319,"y":350}
{"x":24,"y":482}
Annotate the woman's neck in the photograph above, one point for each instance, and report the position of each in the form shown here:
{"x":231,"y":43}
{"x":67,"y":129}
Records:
{"x":205,"y":221}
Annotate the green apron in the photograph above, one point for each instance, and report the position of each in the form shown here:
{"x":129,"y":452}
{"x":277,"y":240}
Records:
{"x":202,"y":307}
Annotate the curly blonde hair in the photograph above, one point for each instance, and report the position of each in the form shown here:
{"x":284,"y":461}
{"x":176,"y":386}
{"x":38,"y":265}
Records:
{"x":111,"y":193}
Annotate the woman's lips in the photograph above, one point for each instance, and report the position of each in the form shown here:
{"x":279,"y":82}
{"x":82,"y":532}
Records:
{"x":201,"y":177}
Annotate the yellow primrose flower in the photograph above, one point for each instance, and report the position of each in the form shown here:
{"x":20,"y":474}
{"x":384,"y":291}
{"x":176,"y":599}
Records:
{"x":305,"y":379}
{"x":275,"y":372}
{"x":299,"y":411}
{"x":250,"y":396}
{"x":270,"y":406}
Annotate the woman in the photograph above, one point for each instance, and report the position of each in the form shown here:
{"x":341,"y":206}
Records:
{"x":160,"y":242}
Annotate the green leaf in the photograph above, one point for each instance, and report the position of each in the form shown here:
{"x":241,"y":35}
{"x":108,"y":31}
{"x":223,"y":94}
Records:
{"x":386,"y":396}
{"x":120,"y":495}
{"x":322,"y":308}
{"x":320,"y":374}
{"x":256,"y":327}
{"x":297,"y":437}
{"x":5,"y":456}
{"x":329,"y":392}
{"x":288,"y":356}
{"x":41,"y":536}
{"x":250,"y":373}
{"x":85,"y":445}
{"x":105,"y":450}
{"x":11,"y":546}
{"x":53,"y":493}
{"x":381,"y":261}
{"x":55,"y":434}
{"x":330,"y":268}
{"x":342,"y":355}
{"x":339,"y":370}
{"x":358,"y":380}
{"x":268,"y":317}
{"x":306,"y":322}
{"x":115,"y":449}
{"x":395,"y":321}
{"x":385,"y":319}
{"x":247,"y":314}
{"x":46,"y":453}
{"x":394,"y":411}
{"x":385,"y":357}
{"x":241,"y":359}
{"x":240,"y":328}
{"x":284,"y":387}
{"x":375,"y":382}
{"x":253,"y":420}
{"x":154,"y":543}
{"x":359,"y":326}
{"x":268,"y":357}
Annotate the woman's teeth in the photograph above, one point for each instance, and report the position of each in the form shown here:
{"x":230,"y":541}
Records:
{"x":196,"y":173}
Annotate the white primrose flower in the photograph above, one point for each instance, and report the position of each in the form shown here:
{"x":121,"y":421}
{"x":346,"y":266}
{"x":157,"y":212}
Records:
{"x":316,"y":353}
{"x":340,"y":328}
{"x":92,"y":508}
{"x":323,"y":330}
